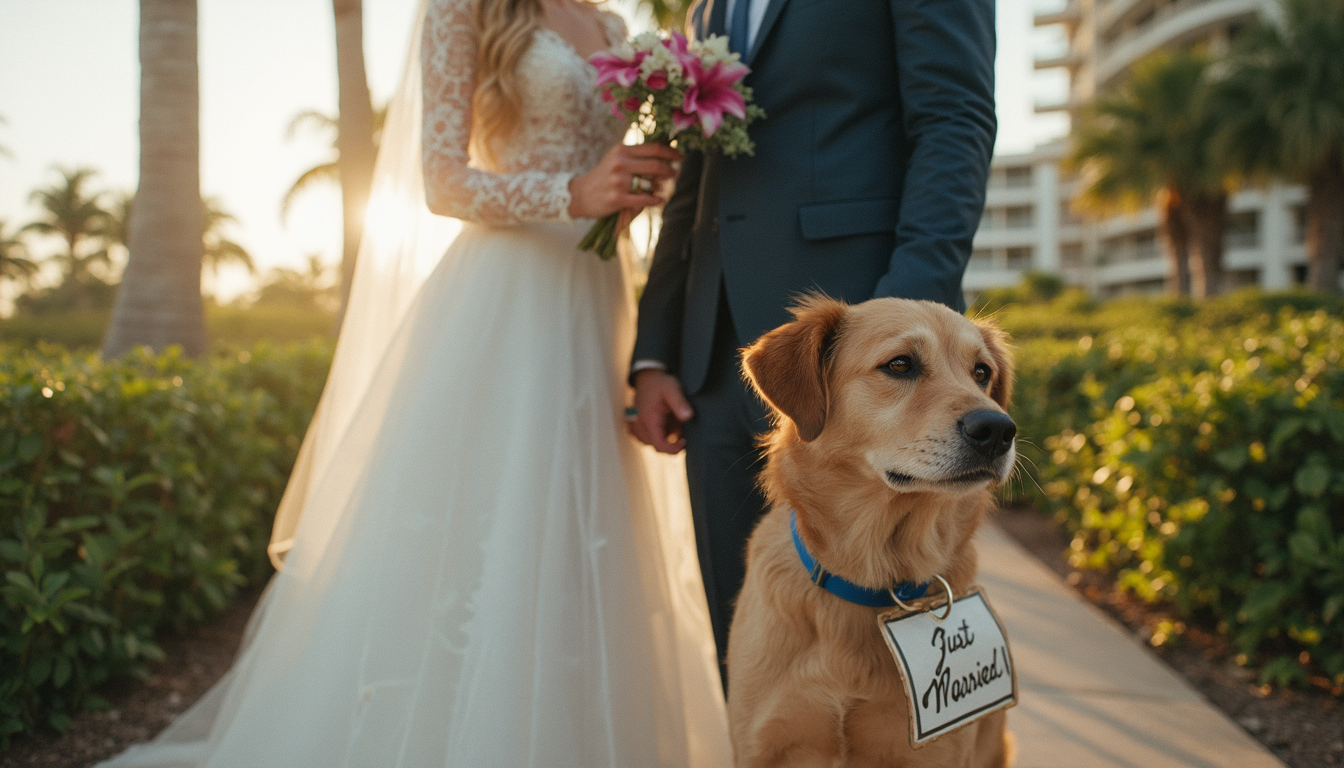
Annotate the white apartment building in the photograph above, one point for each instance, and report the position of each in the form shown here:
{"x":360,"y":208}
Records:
{"x":1029,"y":223}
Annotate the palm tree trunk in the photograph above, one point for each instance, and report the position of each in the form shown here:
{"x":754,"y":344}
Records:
{"x":75,"y":278}
{"x":1325,"y":226}
{"x":355,"y":139}
{"x":159,"y":303}
{"x":1207,"y":217}
{"x":1171,"y":226}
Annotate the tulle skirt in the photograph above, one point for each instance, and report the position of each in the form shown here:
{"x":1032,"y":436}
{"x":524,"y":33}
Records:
{"x":500,"y":576}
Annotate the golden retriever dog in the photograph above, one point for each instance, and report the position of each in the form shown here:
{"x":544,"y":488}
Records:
{"x":890,"y":429}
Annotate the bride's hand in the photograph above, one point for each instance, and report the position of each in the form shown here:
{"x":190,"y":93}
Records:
{"x":607,"y":188}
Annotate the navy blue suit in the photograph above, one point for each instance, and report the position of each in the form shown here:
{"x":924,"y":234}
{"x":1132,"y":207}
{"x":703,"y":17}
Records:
{"x":868,"y":180}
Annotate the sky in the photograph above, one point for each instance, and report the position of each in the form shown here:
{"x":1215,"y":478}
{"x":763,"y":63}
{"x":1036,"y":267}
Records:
{"x":69,"y":95}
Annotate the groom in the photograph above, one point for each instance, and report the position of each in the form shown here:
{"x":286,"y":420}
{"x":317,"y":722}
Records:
{"x":868,"y":180}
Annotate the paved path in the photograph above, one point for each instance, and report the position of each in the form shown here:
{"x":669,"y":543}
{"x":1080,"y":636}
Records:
{"x":1090,"y":694}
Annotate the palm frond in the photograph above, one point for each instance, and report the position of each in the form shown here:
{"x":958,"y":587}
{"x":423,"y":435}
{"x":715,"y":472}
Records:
{"x":310,"y":120}
{"x":320,"y":175}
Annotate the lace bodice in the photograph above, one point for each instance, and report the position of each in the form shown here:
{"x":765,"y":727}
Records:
{"x":565,"y":127}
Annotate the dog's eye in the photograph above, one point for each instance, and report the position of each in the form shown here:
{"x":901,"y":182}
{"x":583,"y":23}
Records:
{"x":902,"y":364}
{"x":981,"y":374}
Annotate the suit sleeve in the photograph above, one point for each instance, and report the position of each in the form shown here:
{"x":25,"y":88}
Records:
{"x":945,"y":63}
{"x":664,"y":299}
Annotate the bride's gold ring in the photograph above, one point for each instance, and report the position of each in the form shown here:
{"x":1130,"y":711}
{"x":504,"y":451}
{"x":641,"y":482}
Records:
{"x":640,"y":184}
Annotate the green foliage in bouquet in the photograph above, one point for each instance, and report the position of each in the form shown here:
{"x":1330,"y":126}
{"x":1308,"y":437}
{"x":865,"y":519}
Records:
{"x":135,"y":495}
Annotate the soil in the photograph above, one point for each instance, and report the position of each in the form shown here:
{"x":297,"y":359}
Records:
{"x":140,"y":709}
{"x":1304,"y":727}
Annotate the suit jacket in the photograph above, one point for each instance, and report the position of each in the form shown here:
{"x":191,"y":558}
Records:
{"x":868,"y":177}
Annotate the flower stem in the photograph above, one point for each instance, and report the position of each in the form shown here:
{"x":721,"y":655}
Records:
{"x":601,"y":238}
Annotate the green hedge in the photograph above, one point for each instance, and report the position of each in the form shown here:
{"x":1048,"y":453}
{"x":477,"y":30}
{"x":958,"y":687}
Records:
{"x":1198,"y":452}
{"x":135,"y":495}
{"x":226,"y":326}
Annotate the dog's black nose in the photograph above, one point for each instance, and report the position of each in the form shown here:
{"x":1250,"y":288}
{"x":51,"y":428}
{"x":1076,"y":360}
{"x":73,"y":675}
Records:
{"x":991,"y":433}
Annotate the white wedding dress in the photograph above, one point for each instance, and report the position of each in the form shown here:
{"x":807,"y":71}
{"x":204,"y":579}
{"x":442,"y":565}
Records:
{"x":488,"y":572}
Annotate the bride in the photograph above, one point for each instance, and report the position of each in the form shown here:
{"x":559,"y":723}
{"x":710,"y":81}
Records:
{"x":479,"y":568}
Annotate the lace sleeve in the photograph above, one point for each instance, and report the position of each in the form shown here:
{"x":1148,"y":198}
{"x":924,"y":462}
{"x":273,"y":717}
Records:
{"x":452,"y":187}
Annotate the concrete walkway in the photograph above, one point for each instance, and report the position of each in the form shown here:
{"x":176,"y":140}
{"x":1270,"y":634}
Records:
{"x":1090,"y":695}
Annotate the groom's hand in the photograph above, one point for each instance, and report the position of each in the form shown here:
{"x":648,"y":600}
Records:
{"x":662,"y":410}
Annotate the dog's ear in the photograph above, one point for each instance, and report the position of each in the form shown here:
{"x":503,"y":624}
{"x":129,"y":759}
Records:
{"x":787,"y":366}
{"x":1001,"y":352}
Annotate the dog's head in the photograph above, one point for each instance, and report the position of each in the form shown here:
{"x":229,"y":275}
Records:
{"x":910,"y":391}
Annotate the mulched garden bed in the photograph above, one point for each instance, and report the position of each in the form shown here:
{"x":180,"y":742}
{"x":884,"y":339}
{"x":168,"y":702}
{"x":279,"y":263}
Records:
{"x":1305,"y":727}
{"x":140,"y":709}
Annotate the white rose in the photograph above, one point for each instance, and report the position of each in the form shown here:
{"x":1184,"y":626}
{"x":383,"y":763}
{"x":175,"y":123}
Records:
{"x":660,"y":59}
{"x":646,"y":41}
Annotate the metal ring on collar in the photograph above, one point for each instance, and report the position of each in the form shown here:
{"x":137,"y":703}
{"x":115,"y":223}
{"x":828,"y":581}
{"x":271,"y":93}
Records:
{"x":950,"y":599}
{"x":640,"y":184}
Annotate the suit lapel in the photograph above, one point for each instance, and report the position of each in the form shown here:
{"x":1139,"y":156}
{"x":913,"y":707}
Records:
{"x":772,"y":12}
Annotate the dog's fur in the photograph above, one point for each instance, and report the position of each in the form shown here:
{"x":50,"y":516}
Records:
{"x":864,"y":458}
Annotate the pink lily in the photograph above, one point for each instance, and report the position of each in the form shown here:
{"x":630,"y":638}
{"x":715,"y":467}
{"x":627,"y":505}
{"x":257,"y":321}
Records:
{"x":710,"y":95}
{"x":681,"y":48}
{"x":614,"y":69}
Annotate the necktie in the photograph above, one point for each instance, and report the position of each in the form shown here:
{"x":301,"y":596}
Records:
{"x":737,"y":33}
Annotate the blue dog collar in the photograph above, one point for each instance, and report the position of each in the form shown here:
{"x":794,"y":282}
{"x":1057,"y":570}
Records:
{"x":848,"y":590}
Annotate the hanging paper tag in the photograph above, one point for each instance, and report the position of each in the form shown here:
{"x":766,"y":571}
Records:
{"x":956,"y":670}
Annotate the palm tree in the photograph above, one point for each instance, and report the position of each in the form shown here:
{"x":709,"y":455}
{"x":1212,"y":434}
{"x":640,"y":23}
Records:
{"x":115,"y":228}
{"x":355,"y":135}
{"x":159,"y":303}
{"x":327,"y":173}
{"x":1152,"y":138}
{"x":311,"y":288}
{"x":14,"y":262}
{"x":220,"y":251}
{"x":1283,"y":116}
{"x":70,"y":212}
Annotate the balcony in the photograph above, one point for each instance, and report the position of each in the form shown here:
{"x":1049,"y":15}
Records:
{"x":1066,"y":15}
{"x":1067,"y":105}
{"x":1111,"y":12}
{"x":1182,"y":21}
{"x":1069,"y":60}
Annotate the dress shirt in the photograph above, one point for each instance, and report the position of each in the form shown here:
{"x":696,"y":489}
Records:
{"x":755,"y":15}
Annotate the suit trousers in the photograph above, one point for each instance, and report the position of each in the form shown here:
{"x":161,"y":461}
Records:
{"x":723,"y":460}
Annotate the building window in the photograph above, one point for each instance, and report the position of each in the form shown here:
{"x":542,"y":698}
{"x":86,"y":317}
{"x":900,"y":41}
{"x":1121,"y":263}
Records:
{"x":1017,"y":176}
{"x":982,"y":259}
{"x":1067,"y":217}
{"x":1019,"y":258}
{"x":1145,"y":246}
{"x":1071,"y":256}
{"x":1242,"y":230}
{"x":1140,"y":246}
{"x":1019,"y":217}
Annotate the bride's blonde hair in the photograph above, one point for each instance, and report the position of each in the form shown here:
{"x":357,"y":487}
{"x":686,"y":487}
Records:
{"x":504,"y":31}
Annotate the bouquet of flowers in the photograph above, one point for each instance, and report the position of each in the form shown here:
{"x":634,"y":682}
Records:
{"x":684,"y":94}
